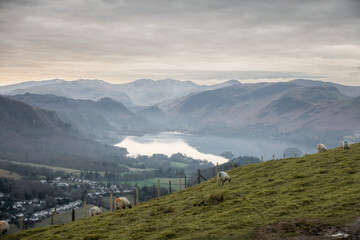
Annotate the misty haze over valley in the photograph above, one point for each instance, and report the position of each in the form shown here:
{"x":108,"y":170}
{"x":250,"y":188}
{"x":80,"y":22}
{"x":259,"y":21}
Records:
{"x":268,"y":116}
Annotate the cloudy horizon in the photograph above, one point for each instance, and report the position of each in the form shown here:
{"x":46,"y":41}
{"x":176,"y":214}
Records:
{"x":205,"y":41}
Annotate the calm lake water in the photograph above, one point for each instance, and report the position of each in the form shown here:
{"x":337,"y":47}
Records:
{"x":204,"y":147}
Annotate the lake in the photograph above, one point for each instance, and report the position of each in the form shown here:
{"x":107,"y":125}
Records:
{"x":204,"y":147}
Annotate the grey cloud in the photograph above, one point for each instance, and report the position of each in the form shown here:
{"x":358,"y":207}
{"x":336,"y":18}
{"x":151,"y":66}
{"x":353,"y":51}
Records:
{"x":160,"y":31}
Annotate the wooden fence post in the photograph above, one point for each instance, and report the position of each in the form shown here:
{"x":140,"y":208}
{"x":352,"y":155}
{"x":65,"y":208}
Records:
{"x":179,"y":181}
{"x":55,"y":216}
{"x":169,"y":186}
{"x":217,"y":169}
{"x":85,"y":207}
{"x":20,"y":223}
{"x":111,"y":202}
{"x":198,"y":176}
{"x":232,"y":163}
{"x":73,"y":215}
{"x":137,"y":193}
{"x":52,"y":219}
{"x":154,"y":190}
{"x":158,"y":188}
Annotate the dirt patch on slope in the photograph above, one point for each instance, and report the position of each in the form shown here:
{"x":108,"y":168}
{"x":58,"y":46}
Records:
{"x":304,"y":229}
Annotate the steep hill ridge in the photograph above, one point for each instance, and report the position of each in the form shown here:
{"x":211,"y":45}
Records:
{"x":91,"y":118}
{"x":31,"y":134}
{"x":324,"y":187}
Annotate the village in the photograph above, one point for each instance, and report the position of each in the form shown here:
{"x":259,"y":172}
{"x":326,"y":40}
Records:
{"x":35,"y":210}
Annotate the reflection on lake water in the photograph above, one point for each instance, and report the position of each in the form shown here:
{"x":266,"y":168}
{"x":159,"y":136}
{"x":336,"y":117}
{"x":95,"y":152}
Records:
{"x":165,"y":143}
{"x":204,"y":147}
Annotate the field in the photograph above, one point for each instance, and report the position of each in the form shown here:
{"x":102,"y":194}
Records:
{"x":6,"y":174}
{"x":179,"y":165}
{"x":315,"y":194}
{"x":67,"y":170}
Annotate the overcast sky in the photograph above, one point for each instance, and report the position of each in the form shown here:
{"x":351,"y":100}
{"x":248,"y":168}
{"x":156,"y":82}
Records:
{"x":201,"y":40}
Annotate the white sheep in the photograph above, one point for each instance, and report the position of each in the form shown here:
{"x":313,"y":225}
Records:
{"x":4,"y":227}
{"x":223,"y":176}
{"x":122,"y":202}
{"x":346,"y":145}
{"x":95,"y":211}
{"x":321,"y":148}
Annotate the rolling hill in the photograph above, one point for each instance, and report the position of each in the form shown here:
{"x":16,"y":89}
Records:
{"x":79,"y":89}
{"x":95,"y":119}
{"x":282,"y":110}
{"x":31,"y":134}
{"x":350,"y":91}
{"x":312,"y":197}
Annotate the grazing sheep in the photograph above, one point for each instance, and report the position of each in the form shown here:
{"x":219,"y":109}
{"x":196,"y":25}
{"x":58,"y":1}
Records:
{"x":321,"y":148}
{"x":122,"y":202}
{"x":346,"y":145}
{"x":95,"y":211}
{"x":223,"y":176}
{"x":4,"y":227}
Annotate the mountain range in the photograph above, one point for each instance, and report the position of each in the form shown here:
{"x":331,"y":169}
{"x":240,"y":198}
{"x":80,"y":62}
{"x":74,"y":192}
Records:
{"x":299,"y":110}
{"x":142,"y":92}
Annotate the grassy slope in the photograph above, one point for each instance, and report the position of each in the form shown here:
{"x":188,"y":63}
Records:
{"x":322,"y":186}
{"x":67,"y":170}
{"x":164,"y":182}
{"x":6,"y":174}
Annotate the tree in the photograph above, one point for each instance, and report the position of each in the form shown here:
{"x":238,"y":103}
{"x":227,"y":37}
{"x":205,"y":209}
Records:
{"x":228,"y":155}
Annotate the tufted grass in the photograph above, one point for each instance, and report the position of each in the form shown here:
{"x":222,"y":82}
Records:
{"x":323,"y":186}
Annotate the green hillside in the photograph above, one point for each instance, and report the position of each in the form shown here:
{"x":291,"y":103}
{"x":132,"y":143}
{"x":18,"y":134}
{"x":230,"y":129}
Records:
{"x":324,"y":187}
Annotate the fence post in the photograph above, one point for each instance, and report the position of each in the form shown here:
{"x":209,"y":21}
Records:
{"x":73,"y":215}
{"x":85,"y":207}
{"x":179,"y":181}
{"x":137,"y":193}
{"x":262,"y":158}
{"x":217,"y":168}
{"x":55,"y":216}
{"x":20,"y":223}
{"x":52,"y":219}
{"x":232,"y":163}
{"x":185,"y":181}
{"x":273,"y":157}
{"x":158,"y":188}
{"x":154,"y":190}
{"x":198,"y":176}
{"x":111,"y":202}
{"x":169,"y":186}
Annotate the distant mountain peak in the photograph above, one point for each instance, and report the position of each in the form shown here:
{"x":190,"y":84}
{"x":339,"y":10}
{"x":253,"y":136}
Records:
{"x":233,"y":82}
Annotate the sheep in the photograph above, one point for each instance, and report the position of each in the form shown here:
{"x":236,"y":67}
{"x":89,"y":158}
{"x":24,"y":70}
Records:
{"x":122,"y":202}
{"x":223,"y":176}
{"x":321,"y":148}
{"x":95,"y":211}
{"x":4,"y":227}
{"x":346,"y":145}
